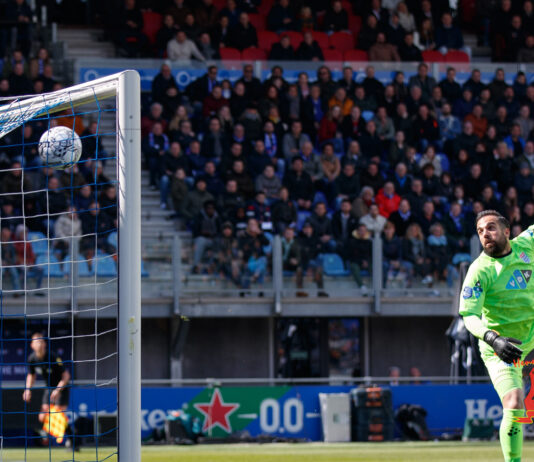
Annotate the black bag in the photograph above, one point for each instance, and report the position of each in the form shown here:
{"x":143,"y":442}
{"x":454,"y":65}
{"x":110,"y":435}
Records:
{"x":411,"y":419}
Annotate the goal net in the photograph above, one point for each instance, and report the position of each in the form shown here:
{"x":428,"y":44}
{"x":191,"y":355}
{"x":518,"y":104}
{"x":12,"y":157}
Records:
{"x":70,"y":274}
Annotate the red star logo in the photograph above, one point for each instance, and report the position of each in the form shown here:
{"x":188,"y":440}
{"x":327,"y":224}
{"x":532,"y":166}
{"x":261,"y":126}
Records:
{"x":216,"y":412}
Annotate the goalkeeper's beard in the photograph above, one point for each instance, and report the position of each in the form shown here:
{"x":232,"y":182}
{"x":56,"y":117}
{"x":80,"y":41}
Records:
{"x":497,"y":247}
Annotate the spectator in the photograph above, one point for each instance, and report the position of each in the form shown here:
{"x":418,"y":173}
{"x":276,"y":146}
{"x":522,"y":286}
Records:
{"x":373,"y":221}
{"x":391,"y":255}
{"x":226,"y":249}
{"x":406,"y":19}
{"x":514,"y":141}
{"x":196,"y":199}
{"x":360,"y":205}
{"x":438,"y":253}
{"x":305,"y":21}
{"x":310,"y":246}
{"x":347,"y":80}
{"x":166,"y":33}
{"x":181,"y":48}
{"x":372,"y":177}
{"x":384,"y":127}
{"x":450,"y":87}
{"x":340,"y":99}
{"x":478,"y":121}
{"x":415,"y":254}
{"x":213,"y":102}
{"x":425,"y":127}
{"x":200,"y":88}
{"x":293,"y":141}
{"x":474,"y":83}
{"x":394,"y":31}
{"x":214,"y":184}
{"x":368,"y":33}
{"x":9,"y":259}
{"x":231,"y":11}
{"x":428,"y":217}
{"x":498,"y":85}
{"x":19,"y":83}
{"x":178,"y":10}
{"x":352,"y":125}
{"x":25,"y":257}
{"x":370,"y":142}
{"x":206,"y":228}
{"x":215,"y":144}
{"x":449,"y":127}
{"x":524,"y":121}
{"x":171,"y":162}
{"x":423,"y":80}
{"x":526,"y":52}
{"x":284,"y":211}
{"x":515,"y":38}
{"x":336,"y":18}
{"x":448,"y":36}
{"x":382,"y":51}
{"x":165,"y":91}
{"x":408,"y":51}
{"x":397,"y":149}
{"x":347,"y":184}
{"x":243,"y":35}
{"x":221,"y":32}
{"x":206,"y":14}
{"x":309,"y":49}
{"x":191,"y":28}
{"x":523,"y":181}
{"x":252,"y":242}
{"x":282,"y":51}
{"x":424,"y":38}
{"x":417,"y":197}
{"x":155,"y":144}
{"x":402,"y":218}
{"x":359,"y":255}
{"x":387,"y":200}
{"x":401,"y":181}
{"x":131,"y":40}
{"x":206,"y":48}
{"x":281,"y":17}
{"x":245,"y":185}
{"x":253,"y":87}
{"x":322,"y":227}
{"x":269,"y":183}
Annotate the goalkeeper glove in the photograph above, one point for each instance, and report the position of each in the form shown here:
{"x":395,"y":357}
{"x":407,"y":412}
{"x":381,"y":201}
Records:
{"x":504,"y":346}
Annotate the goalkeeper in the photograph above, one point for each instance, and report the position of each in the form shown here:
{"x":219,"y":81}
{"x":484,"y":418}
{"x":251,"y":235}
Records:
{"x":497,"y":305}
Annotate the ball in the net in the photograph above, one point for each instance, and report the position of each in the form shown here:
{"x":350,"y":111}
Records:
{"x":60,"y":148}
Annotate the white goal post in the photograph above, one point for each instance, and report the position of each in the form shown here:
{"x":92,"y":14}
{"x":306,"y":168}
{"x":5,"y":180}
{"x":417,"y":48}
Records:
{"x":125,"y":87}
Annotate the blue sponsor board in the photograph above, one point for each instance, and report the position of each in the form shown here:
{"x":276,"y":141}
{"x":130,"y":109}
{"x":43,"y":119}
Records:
{"x":184,"y":76}
{"x":292,"y":411}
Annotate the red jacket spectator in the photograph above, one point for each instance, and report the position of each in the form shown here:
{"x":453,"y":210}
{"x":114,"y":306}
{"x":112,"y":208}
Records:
{"x":387,"y":200}
{"x":213,"y":102}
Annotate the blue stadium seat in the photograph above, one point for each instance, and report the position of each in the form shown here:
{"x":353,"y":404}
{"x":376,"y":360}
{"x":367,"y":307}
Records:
{"x":83,"y":267}
{"x":144,"y":272}
{"x":50,"y":265}
{"x":113,"y":239}
{"x":105,"y":266}
{"x":333,"y":265}
{"x":38,"y":242}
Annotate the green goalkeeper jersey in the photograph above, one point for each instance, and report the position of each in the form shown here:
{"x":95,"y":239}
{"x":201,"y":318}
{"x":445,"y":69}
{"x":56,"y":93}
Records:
{"x":500,"y":290}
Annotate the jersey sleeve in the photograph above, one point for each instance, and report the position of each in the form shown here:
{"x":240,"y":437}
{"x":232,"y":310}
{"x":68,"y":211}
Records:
{"x":526,"y":238}
{"x":31,"y":365}
{"x":473,"y":292}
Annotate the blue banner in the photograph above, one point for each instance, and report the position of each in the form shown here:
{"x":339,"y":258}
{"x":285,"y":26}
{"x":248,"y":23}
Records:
{"x":289,"y":411}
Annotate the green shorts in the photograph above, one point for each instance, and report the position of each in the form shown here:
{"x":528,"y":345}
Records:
{"x":505,"y":377}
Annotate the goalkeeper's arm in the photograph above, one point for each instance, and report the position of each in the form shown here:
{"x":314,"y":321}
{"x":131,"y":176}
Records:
{"x":505,"y":347}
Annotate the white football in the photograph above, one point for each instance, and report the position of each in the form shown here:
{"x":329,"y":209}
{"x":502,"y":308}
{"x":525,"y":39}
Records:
{"x":60,"y":148}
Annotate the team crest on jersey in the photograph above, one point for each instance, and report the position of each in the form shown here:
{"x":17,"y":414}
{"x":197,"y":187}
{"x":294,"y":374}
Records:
{"x":468,"y":292}
{"x":524,"y":257}
{"x":519,"y":280}
{"x":477,"y":290}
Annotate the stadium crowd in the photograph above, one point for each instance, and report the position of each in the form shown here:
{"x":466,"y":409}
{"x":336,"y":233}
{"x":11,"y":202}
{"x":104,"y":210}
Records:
{"x":328,"y":164}
{"x":382,"y":30}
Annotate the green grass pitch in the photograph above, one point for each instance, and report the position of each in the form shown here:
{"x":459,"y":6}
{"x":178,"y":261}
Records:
{"x":313,"y":452}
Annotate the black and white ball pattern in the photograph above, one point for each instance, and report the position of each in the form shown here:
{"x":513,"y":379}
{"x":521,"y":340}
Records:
{"x":60,"y":148}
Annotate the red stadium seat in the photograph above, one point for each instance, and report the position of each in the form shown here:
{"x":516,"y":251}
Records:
{"x":266,"y":38}
{"x":321,"y":38}
{"x":332,"y":55}
{"x":356,"y":55}
{"x":433,"y":56}
{"x":230,"y":54}
{"x":258,"y":21}
{"x":265,"y":7}
{"x":152,"y":22}
{"x":341,"y":41}
{"x":253,"y":54}
{"x":456,"y":56}
{"x":468,"y":9}
{"x":296,"y":38}
{"x":355,"y":24}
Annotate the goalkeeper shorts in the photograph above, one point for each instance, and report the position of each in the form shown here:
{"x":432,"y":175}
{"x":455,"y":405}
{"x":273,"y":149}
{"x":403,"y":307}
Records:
{"x":505,"y":377}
